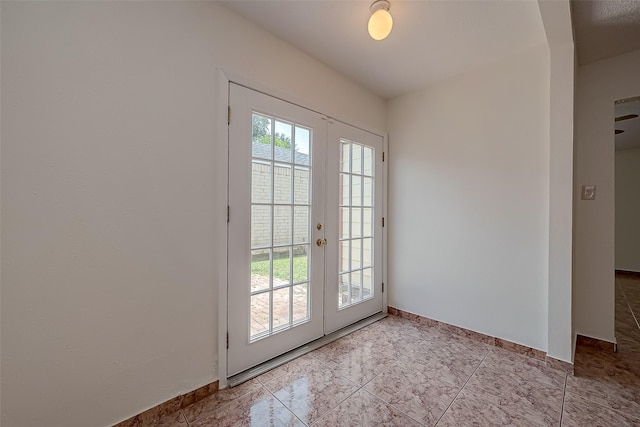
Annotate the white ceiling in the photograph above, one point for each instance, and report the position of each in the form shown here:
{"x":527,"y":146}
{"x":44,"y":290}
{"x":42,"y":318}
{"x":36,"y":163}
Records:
{"x":630,"y":139}
{"x":431,"y":40}
{"x":605,"y":28}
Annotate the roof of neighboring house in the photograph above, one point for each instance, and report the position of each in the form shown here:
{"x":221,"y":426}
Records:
{"x":281,"y":154}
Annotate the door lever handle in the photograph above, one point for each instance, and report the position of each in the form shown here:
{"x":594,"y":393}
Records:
{"x":321,"y":242}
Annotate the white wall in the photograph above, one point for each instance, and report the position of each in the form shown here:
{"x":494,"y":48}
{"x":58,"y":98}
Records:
{"x":627,"y":195}
{"x":556,"y":17}
{"x":469,"y":200}
{"x":599,"y":85}
{"x":109,"y":199}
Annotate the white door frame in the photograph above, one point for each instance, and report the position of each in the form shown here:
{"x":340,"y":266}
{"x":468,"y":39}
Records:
{"x":224,"y":77}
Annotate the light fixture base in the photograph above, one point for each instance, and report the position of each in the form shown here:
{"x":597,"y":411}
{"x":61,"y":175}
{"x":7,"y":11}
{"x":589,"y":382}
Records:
{"x":380,"y":4}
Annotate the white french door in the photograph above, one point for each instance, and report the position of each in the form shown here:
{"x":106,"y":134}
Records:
{"x":305,"y":238}
{"x":354,"y":221}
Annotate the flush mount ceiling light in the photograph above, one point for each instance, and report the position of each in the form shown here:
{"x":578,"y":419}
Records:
{"x":380,"y":22}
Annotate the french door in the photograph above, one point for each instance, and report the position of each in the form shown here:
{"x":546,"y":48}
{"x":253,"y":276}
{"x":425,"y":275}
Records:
{"x":353,"y":288}
{"x":305,"y":237}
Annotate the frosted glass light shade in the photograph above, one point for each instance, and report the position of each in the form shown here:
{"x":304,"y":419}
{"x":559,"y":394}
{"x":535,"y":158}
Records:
{"x":380,"y":24}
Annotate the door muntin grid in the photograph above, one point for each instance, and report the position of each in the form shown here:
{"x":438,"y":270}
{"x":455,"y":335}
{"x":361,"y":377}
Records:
{"x":355,"y":223}
{"x":281,"y":170}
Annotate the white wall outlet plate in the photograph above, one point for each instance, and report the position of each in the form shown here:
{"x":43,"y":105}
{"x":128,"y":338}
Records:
{"x":588,"y":192}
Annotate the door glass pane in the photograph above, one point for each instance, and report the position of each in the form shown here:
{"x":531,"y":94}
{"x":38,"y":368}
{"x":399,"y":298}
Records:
{"x":280,"y":225}
{"x":356,"y":254}
{"x":355,"y":250}
{"x":282,"y":142}
{"x":301,"y":147}
{"x":356,"y":286}
{"x":281,"y":307}
{"x":367,"y":282}
{"x":356,"y":222}
{"x":367,"y":191}
{"x":260,"y":314}
{"x":300,"y":302}
{"x":261,"y":230}
{"x":260,"y":269}
{"x":343,"y":256}
{"x":356,"y":161}
{"x":260,"y":182}
{"x":301,"y":263}
{"x":282,"y":183}
{"x":367,"y":161}
{"x":356,"y":190}
{"x":367,"y":252}
{"x":343,"y":222}
{"x":367,"y":222}
{"x":281,"y":266}
{"x":301,"y":183}
{"x":301,"y":224}
{"x":345,"y":189}
{"x":262,"y":143}
{"x":343,"y":290}
{"x":345,"y":156}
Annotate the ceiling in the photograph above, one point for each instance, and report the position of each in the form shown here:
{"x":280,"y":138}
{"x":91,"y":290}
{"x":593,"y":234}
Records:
{"x":430,"y":41}
{"x":605,"y":28}
{"x":630,"y":139}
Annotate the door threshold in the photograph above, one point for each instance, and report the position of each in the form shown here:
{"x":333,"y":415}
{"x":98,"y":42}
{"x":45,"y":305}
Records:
{"x":300,"y":351}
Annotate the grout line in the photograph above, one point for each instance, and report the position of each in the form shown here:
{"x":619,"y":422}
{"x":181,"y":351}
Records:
{"x":462,"y":388}
{"x":330,"y":410}
{"x":593,"y":401}
{"x":184,"y":417}
{"x":396,"y":363}
{"x":624,"y":294}
{"x":285,"y":406}
{"x":342,"y":401}
{"x":392,"y":406}
{"x":564,"y":396}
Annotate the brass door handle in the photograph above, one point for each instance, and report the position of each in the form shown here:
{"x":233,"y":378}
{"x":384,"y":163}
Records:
{"x":321,"y":242}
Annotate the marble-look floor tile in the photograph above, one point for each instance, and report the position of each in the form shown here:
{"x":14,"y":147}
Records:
{"x":455,"y":370}
{"x":337,"y":349}
{"x":255,"y":409}
{"x":299,"y":364}
{"x":415,"y":389}
{"x":470,"y":410}
{"x":629,"y":348}
{"x":524,"y":367}
{"x":535,"y":401}
{"x":612,"y":395}
{"x":389,"y":342}
{"x":490,"y":374}
{"x":455,"y":349}
{"x":364,"y":409}
{"x":360,"y":365}
{"x":176,"y":419}
{"x":594,"y":360}
{"x":312,"y":393}
{"x":403,"y":327}
{"x":609,"y":372}
{"x":580,"y":412}
{"x":211,"y":404}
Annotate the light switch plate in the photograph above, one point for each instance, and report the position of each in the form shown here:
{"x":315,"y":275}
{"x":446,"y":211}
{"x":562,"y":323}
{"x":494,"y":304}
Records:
{"x":588,"y":192}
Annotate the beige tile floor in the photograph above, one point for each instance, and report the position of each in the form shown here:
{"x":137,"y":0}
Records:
{"x":398,"y":373}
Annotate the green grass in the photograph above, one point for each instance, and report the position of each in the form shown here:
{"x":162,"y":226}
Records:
{"x":281,"y":268}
